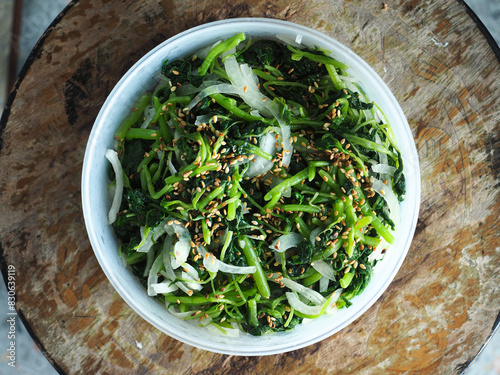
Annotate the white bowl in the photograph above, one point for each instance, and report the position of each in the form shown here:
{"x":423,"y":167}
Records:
{"x":96,"y":201}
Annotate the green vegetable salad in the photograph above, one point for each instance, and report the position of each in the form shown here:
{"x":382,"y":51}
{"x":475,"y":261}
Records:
{"x":255,"y":186}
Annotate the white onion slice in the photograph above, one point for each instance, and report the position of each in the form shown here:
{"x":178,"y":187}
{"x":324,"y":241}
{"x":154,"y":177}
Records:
{"x":190,"y":285}
{"x":259,"y":165}
{"x":286,"y":241}
{"x":150,"y":112}
{"x":181,"y":253}
{"x":149,"y":263}
{"x":191,"y":271}
{"x":229,"y":268}
{"x":112,"y":157}
{"x":223,"y":88}
{"x":332,"y":307}
{"x":158,"y":232}
{"x":310,"y":294}
{"x":382,"y":157}
{"x":323,"y":284}
{"x":188,"y":89}
{"x":182,"y":246}
{"x":245,"y":82}
{"x":314,"y":233}
{"x":181,"y":315}
{"x":300,"y":306}
{"x":325,"y":269}
{"x":167,"y":259}
{"x":203,"y":119}
{"x":153,"y":274}
{"x":213,"y":264}
{"x":285,"y":137}
{"x":164,"y":287}
{"x":184,"y":288}
{"x":292,"y":41}
{"x":383,"y":169}
{"x":388,"y":194}
{"x":146,"y":240}
{"x":171,"y":167}
{"x":377,"y":253}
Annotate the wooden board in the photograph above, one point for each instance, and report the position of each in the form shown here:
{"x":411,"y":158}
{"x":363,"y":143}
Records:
{"x":442,"y":305}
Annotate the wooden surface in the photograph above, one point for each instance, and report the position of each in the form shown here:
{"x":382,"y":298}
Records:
{"x":443,"y":303}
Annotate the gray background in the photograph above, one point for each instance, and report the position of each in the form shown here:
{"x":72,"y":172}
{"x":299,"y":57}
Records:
{"x":36,"y":17}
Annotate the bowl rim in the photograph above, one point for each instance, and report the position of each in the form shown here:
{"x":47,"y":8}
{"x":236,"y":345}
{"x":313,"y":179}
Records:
{"x":86,"y":188}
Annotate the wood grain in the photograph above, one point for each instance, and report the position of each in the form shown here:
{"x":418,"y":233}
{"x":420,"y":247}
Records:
{"x":445,"y":300}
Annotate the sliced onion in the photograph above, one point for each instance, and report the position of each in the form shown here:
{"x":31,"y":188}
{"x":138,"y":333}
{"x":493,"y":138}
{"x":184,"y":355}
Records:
{"x":259,"y":165}
{"x":286,"y":241}
{"x":224,"y":267}
{"x":184,"y":288}
{"x":149,"y":263}
{"x":191,"y":285}
{"x":164,"y":287}
{"x":191,"y":271}
{"x":310,"y":294}
{"x":287,"y":40}
{"x":146,"y":240}
{"x":205,"y":321}
{"x":323,"y":284}
{"x":223,"y":88}
{"x":181,"y":315}
{"x":181,"y":253}
{"x":203,"y":119}
{"x":332,"y":307}
{"x":314,"y":233}
{"x":171,"y":166}
{"x":150,"y":112}
{"x":167,"y":259}
{"x":245,"y":82}
{"x":285,"y":137}
{"x":325,"y":269}
{"x":301,"y":307}
{"x":377,"y":253}
{"x":112,"y":157}
{"x":347,"y":78}
{"x":182,"y":246}
{"x":153,"y":274}
{"x":382,"y":157}
{"x":383,"y":169}
{"x":213,"y":264}
{"x":159,"y":231}
{"x":388,"y":194}
{"x":188,"y":89}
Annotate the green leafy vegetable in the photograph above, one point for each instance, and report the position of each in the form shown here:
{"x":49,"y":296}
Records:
{"x":256,"y":186}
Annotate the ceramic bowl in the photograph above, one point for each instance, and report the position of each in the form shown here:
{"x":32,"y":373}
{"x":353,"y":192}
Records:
{"x":96,"y":202}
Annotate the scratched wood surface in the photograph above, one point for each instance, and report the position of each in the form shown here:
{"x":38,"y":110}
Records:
{"x":443,"y":303}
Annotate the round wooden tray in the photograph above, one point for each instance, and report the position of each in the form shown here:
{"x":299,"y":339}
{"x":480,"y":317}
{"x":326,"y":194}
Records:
{"x":444,"y":302}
